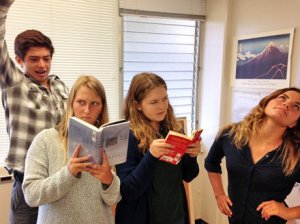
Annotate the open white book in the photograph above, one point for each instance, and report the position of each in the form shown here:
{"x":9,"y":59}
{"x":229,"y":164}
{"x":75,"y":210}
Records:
{"x":112,"y":137}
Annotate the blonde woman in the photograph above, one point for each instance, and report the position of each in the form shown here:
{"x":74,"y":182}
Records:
{"x":152,"y":190}
{"x":262,"y":160}
{"x":71,"y":190}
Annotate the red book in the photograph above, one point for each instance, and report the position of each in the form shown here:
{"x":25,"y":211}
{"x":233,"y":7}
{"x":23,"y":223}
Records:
{"x":181,"y":143}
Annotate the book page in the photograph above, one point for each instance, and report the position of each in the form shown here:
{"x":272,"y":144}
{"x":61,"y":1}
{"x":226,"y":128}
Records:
{"x":114,"y":139}
{"x":79,"y":134}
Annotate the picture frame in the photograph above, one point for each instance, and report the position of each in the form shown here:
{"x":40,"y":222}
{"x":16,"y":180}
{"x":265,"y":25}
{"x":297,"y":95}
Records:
{"x":263,"y":60}
{"x":183,"y":123}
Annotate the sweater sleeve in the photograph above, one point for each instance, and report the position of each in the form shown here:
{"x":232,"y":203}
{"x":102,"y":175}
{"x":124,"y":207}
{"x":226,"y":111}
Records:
{"x":136,"y":173}
{"x":111,"y":195}
{"x":38,"y":186}
{"x":9,"y":73}
{"x":214,"y":157}
{"x":190,"y":168}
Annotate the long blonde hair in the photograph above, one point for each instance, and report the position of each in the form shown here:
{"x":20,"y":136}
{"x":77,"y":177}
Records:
{"x":140,"y":86}
{"x":92,"y":84}
{"x":249,"y":126}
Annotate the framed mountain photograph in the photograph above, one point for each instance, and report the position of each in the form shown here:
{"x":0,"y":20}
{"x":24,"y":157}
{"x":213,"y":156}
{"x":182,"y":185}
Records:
{"x":263,"y":60}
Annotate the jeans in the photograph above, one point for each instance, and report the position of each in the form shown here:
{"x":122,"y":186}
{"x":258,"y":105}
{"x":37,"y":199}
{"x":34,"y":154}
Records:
{"x":20,"y":212}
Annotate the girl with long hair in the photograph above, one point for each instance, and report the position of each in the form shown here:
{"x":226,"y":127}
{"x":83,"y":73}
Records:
{"x":152,"y":190}
{"x":71,"y":190}
{"x":262,"y":161}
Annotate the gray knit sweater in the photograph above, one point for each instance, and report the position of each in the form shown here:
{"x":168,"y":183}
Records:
{"x":61,"y":197}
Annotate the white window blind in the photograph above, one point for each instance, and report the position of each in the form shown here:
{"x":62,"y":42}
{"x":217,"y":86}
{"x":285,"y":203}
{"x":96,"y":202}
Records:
{"x":167,"y":47}
{"x":84,"y":35}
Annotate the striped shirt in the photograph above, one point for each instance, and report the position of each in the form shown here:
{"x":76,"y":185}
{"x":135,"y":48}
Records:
{"x":29,"y":107}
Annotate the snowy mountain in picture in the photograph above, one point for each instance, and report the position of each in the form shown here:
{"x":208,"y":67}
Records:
{"x":271,"y":63}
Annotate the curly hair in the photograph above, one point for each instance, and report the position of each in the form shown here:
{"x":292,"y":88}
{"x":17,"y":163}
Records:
{"x":242,"y":131}
{"x":140,"y":86}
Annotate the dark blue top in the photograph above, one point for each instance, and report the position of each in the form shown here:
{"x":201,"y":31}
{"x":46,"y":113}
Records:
{"x":250,"y":184}
{"x":136,"y":176}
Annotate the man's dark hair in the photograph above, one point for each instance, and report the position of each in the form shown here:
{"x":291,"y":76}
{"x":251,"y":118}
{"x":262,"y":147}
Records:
{"x":31,"y":38}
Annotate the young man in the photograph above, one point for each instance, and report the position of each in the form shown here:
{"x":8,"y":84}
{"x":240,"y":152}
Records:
{"x":33,"y":100}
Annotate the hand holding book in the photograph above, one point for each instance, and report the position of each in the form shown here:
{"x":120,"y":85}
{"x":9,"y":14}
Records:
{"x":194,"y":149}
{"x":102,"y":172}
{"x":181,"y":144}
{"x":77,"y":164}
{"x":159,"y":147}
{"x":112,"y":137}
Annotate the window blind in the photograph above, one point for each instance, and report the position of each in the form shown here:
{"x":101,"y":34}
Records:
{"x":167,"y":47}
{"x":84,"y":35}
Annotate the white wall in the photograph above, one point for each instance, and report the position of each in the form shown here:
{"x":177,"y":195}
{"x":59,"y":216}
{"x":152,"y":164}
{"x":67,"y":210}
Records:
{"x":210,"y":103}
{"x":257,"y":16}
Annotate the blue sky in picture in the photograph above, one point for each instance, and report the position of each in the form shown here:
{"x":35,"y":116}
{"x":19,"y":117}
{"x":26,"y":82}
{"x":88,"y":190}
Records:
{"x":254,"y":46}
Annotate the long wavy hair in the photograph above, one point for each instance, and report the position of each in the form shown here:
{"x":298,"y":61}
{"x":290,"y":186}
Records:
{"x":140,"y":86}
{"x":242,"y":131}
{"x":92,"y":84}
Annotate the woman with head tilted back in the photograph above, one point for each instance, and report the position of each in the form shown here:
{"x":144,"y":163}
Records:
{"x":262,"y":160}
{"x":71,"y":190}
{"x":152,"y":190}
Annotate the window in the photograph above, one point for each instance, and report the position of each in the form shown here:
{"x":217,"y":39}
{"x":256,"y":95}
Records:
{"x":168,"y":47}
{"x":84,"y":35}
